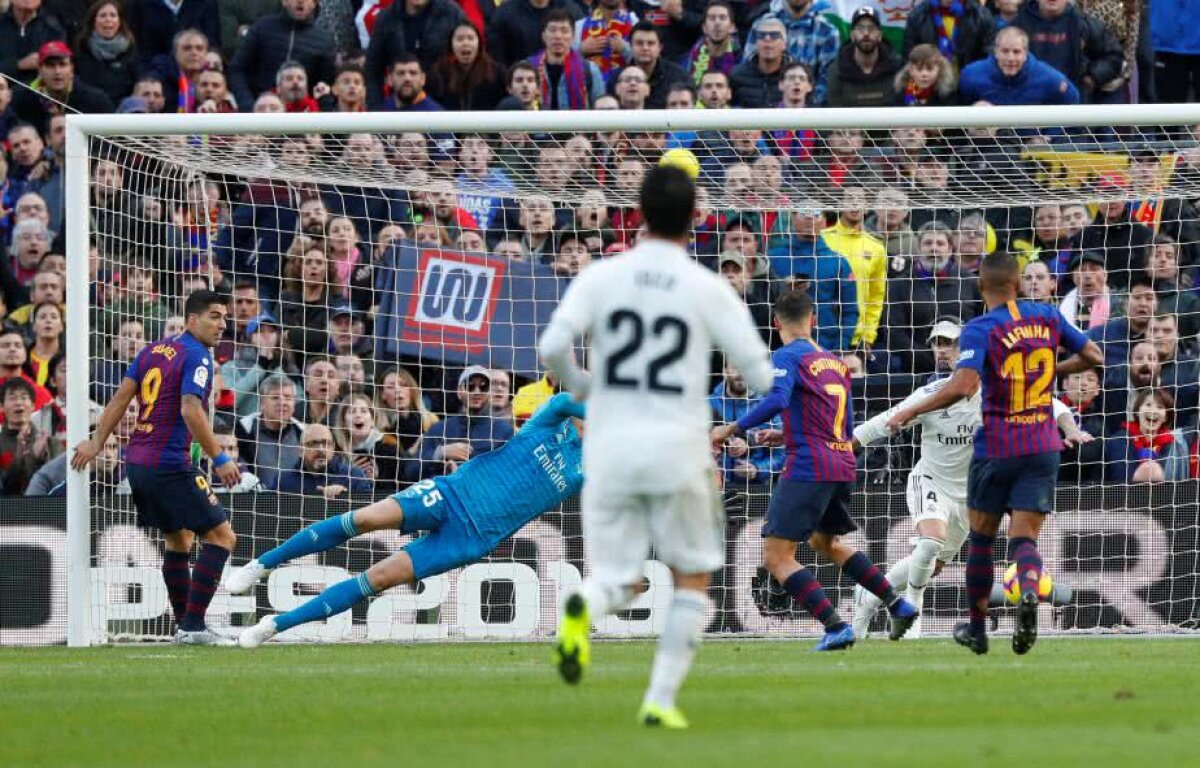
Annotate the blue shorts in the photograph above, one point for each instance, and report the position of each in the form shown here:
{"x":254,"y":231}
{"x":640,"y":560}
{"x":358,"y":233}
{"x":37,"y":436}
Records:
{"x":174,"y":500}
{"x":452,"y":540}
{"x":996,"y":486}
{"x":798,"y":508}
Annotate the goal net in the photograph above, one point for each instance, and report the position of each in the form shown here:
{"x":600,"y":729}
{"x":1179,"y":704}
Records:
{"x":389,"y":276}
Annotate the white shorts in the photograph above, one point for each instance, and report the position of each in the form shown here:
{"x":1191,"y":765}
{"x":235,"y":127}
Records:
{"x":685,"y":528}
{"x":926,"y":501}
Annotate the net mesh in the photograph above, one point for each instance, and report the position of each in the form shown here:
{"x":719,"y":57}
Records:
{"x":368,"y":271}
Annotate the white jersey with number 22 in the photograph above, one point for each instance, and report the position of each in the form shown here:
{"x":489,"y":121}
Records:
{"x":652,"y":317}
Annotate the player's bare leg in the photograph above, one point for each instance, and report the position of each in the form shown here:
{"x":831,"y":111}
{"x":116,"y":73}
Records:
{"x":859,"y":567}
{"x":779,"y":557}
{"x":676,"y":649}
{"x":318,"y":537}
{"x":1023,"y":531}
{"x":206,"y":575}
{"x":981,"y":574}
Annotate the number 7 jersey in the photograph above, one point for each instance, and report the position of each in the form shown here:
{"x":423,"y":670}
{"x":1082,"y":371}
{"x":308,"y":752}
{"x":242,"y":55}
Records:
{"x":1014,"y":349}
{"x":812,"y":391}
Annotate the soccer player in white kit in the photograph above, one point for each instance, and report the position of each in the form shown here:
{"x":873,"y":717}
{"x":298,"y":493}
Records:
{"x":936,"y":491}
{"x":652,"y":317}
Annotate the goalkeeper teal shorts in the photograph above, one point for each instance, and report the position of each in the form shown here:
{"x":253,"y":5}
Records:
{"x":452,"y":539}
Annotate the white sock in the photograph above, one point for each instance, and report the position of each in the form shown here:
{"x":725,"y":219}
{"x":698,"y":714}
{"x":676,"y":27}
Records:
{"x":898,"y":574}
{"x":603,"y":599}
{"x":677,"y":646}
{"x":923,"y":560}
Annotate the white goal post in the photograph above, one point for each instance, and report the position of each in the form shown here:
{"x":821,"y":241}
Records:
{"x":168,"y":138}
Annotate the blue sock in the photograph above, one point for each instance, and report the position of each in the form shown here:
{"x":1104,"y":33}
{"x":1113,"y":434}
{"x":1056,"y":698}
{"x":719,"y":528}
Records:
{"x":317,"y":537}
{"x":205,"y":577}
{"x":340,"y":597}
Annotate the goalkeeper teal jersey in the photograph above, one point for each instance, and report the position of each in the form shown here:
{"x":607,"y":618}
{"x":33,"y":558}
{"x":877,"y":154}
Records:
{"x":534,"y":472}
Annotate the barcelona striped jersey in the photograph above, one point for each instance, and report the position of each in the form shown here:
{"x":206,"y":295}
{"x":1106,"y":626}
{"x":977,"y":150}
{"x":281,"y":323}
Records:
{"x":812,"y":393}
{"x":1014,"y":349}
{"x":165,"y":372}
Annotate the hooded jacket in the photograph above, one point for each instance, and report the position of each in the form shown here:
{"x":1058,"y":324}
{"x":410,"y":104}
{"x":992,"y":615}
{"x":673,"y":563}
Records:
{"x":849,"y":86}
{"x":1075,"y":43}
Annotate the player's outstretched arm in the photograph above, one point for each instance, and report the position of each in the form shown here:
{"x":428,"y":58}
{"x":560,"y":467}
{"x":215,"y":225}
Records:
{"x":962,"y":384}
{"x":876,"y":429}
{"x":556,"y":349}
{"x":196,"y":417}
{"x":112,"y":415}
{"x":1091,"y":356}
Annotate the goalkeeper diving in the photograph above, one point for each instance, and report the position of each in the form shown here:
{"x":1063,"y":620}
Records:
{"x":467,"y":513}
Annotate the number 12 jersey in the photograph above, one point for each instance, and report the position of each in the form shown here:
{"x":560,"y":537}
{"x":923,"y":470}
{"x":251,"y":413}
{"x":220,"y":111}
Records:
{"x":1014,"y":349}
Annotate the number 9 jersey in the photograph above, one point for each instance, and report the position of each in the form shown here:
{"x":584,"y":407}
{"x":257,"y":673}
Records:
{"x":164,"y":372}
{"x":1014,"y":349}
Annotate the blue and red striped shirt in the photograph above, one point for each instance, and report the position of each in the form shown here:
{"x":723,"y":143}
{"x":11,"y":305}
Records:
{"x":164,"y":372}
{"x":812,"y":392}
{"x":1014,"y":349}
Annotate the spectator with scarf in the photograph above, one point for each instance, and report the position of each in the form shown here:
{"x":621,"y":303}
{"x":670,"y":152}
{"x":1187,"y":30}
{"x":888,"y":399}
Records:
{"x":603,"y":36}
{"x":566,"y":80}
{"x":108,"y":58}
{"x":291,"y":84}
{"x":811,"y":38}
{"x":179,"y":71}
{"x":515,"y":31}
{"x":718,"y":47}
{"x":927,"y":80}
{"x":1148,"y":448}
{"x":961,"y":30}
{"x":1089,"y":304}
{"x":794,"y":145}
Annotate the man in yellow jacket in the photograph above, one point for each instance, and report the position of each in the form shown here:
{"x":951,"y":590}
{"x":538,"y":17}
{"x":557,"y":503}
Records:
{"x":867,"y":255}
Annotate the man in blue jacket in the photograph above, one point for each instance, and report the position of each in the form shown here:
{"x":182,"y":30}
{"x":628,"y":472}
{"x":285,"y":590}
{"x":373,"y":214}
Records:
{"x":462,"y":436}
{"x":1012,"y":76}
{"x":320,"y":471}
{"x":808,"y":259}
{"x":743,"y":460}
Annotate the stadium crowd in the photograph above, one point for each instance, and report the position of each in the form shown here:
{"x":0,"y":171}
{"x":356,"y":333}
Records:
{"x":864,"y":220}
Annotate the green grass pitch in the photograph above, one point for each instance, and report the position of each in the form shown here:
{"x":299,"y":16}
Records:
{"x":1071,"y":702}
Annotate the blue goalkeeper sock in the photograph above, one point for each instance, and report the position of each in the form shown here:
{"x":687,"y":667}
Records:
{"x":340,"y":597}
{"x":317,"y":537}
